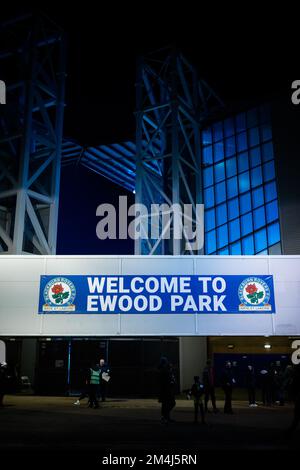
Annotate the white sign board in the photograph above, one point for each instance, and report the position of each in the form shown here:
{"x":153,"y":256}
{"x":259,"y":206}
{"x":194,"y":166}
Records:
{"x":23,"y":314}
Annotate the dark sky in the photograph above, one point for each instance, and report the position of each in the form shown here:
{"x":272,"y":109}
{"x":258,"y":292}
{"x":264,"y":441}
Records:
{"x":243,"y":56}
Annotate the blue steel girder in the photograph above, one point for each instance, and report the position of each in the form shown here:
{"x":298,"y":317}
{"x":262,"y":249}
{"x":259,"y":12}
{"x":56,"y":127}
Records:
{"x":31,"y":126}
{"x":171,"y":103}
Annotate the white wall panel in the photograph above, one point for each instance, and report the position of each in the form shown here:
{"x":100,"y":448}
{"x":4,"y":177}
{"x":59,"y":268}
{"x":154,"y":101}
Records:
{"x":19,"y":293}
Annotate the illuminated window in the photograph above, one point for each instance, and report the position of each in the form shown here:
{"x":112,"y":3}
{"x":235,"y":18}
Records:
{"x":240,"y":191}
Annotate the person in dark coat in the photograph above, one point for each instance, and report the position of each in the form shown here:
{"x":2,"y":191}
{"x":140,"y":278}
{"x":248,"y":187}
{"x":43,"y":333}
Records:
{"x":3,"y":381}
{"x":208,"y":378}
{"x":287,"y":384}
{"x":85,"y":387}
{"x":197,"y":392}
{"x":251,"y":384}
{"x":228,"y":382}
{"x":104,"y":369}
{"x":166,"y":389}
{"x":266,"y":386}
{"x":295,"y":390}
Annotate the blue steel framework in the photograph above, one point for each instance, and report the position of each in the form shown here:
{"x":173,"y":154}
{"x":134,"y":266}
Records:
{"x":164,"y":165}
{"x":239,"y":182}
{"x":31,"y":127}
{"x":171,"y":105}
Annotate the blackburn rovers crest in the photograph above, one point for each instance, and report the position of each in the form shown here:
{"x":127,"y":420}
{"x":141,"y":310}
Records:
{"x":59,"y":295}
{"x":254,"y":294}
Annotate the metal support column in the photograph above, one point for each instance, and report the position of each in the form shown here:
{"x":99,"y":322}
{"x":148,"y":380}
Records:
{"x":172,"y":104}
{"x":31,"y":127}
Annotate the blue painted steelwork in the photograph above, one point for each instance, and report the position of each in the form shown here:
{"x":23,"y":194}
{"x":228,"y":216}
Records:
{"x":31,"y":134}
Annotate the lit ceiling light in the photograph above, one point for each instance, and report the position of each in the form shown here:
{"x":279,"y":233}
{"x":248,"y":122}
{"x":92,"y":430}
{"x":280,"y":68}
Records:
{"x":230,"y":346}
{"x":267,"y":346}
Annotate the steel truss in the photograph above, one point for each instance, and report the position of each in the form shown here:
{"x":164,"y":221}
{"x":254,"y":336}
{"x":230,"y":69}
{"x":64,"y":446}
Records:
{"x":31,"y":127}
{"x":172,"y":104}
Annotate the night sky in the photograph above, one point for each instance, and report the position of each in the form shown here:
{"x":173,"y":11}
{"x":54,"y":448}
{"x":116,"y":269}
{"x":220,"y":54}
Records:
{"x":243,"y":63}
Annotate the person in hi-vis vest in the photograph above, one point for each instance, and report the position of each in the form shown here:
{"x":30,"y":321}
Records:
{"x":94,"y":381}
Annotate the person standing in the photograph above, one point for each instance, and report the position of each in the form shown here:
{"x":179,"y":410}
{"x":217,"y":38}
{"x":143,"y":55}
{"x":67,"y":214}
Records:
{"x":85,"y":387}
{"x":295,"y":390}
{"x":208,"y":378}
{"x":3,"y":381}
{"x":197,"y":391}
{"x":166,"y":389}
{"x":94,"y":381}
{"x":266,"y":386}
{"x":227,"y":384}
{"x":105,"y":377}
{"x":251,"y":384}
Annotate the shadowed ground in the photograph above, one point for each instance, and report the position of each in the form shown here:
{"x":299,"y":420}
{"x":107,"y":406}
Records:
{"x":53,"y":425}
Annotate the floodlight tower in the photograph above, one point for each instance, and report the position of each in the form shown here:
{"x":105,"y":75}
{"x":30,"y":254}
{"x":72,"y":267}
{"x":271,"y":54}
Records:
{"x":32,"y":65}
{"x":172,"y":104}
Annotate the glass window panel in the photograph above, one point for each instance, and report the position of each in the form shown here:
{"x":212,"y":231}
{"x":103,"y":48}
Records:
{"x":255,"y":157}
{"x":256,"y":177}
{"x":240,"y":122}
{"x":243,"y":163}
{"x":269,"y":171}
{"x":218,"y":131}
{"x":260,"y":239}
{"x":242,"y":141}
{"x":244,"y":182}
{"x":273,"y":233}
{"x":219,"y":172}
{"x":230,"y":147}
{"x":210,"y":219}
{"x":229,"y":127}
{"x":207,"y":155}
{"x":209,"y":198}
{"x":270,"y":191}
{"x":221,"y":214}
{"x":210,"y":242}
{"x":267,"y":151}
{"x":272,"y":211}
{"x":222,"y":236}
{"x":275,"y":249}
{"x":231,"y":167}
{"x":258,"y":197}
{"x":206,"y":136}
{"x":259,"y":218}
{"x":235,"y":248}
{"x":248,"y":245}
{"x":234,"y":230}
{"x":208,"y":176}
{"x":220,"y":192}
{"x":246,"y":224}
{"x":245,"y":203}
{"x":232,"y":187}
{"x":224,"y":251}
{"x":264,"y":252}
{"x":266,"y":132}
{"x":233,"y":208}
{"x":252,"y":118}
{"x":253,"y":136}
{"x":219,"y":151}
